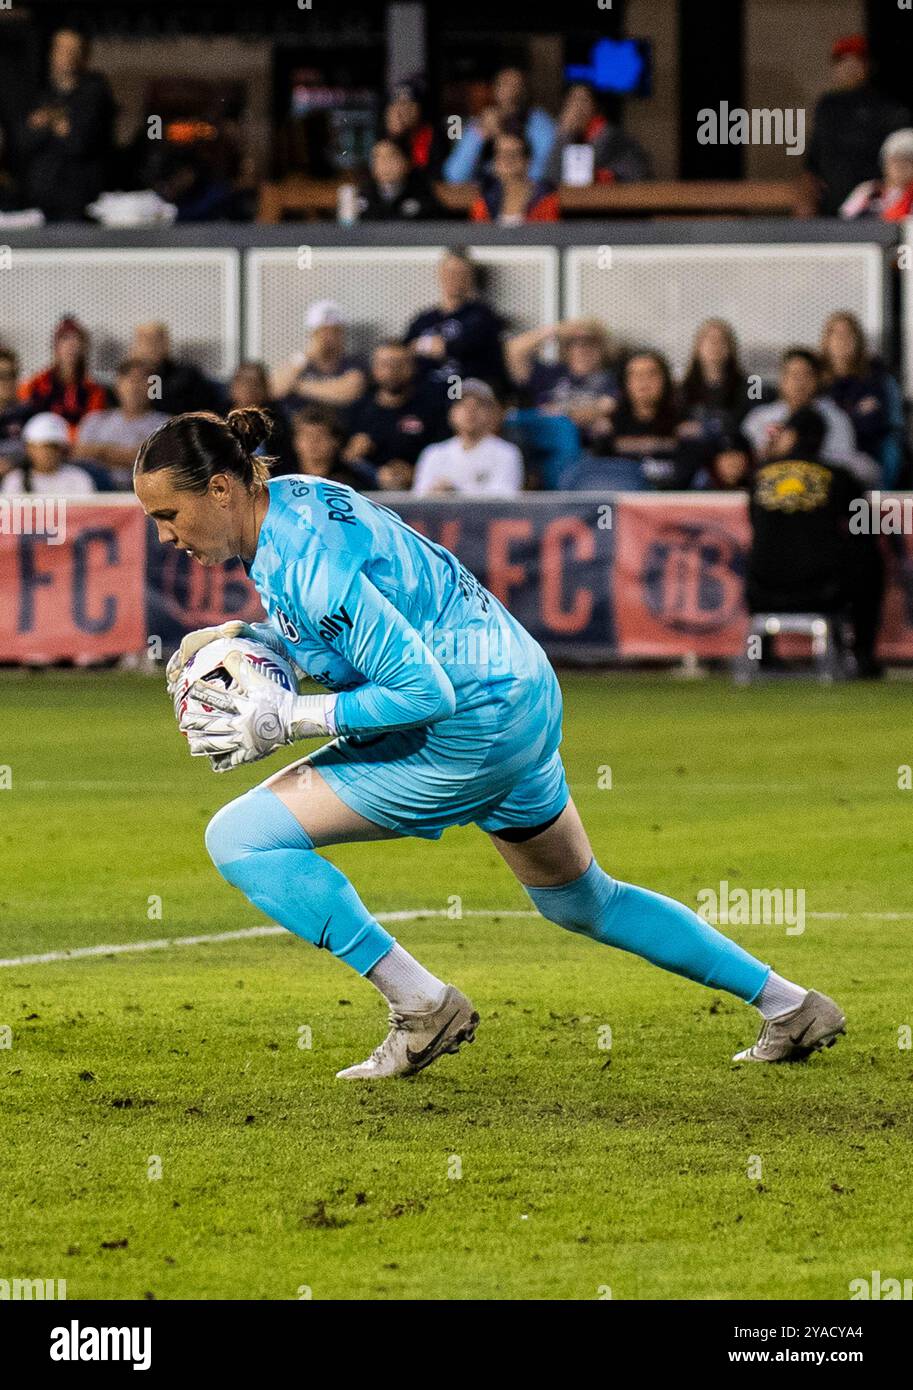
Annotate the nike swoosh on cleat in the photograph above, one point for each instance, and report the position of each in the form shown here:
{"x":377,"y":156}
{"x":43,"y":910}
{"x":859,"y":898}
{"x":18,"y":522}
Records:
{"x":797,"y":1037}
{"x":416,"y":1058}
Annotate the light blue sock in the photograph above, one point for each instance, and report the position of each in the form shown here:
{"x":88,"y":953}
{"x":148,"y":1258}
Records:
{"x":660,"y":929}
{"x":258,"y":845}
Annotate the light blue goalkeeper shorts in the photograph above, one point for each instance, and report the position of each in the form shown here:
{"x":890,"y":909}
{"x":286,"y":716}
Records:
{"x":494,"y":763}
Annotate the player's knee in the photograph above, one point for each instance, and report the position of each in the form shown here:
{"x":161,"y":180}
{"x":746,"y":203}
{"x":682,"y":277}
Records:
{"x":254,"y":822}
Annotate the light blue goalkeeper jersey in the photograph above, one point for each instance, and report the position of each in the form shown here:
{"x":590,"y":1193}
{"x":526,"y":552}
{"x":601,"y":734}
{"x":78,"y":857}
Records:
{"x":370,"y":608}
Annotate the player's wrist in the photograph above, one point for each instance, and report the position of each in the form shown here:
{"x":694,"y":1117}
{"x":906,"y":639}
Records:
{"x":312,"y":715}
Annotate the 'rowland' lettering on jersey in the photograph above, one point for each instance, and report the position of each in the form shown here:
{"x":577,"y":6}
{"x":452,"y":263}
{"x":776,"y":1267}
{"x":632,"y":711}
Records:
{"x":331,"y":624}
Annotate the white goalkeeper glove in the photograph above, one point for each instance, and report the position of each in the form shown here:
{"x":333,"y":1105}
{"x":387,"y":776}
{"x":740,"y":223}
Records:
{"x":196,"y":641}
{"x":250,"y":719}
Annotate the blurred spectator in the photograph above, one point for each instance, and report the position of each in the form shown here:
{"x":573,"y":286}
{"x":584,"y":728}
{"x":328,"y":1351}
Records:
{"x":476,"y":461}
{"x":396,"y":418}
{"x":461,"y":335}
{"x":66,"y":140}
{"x":180,"y":386}
{"x":317,"y":439}
{"x":802,"y":557}
{"x":250,"y":386}
{"x":890,"y":197}
{"x":13,"y":414}
{"x":862,"y":386}
{"x":715,"y":399}
{"x":395,"y":190}
{"x":599,"y":152}
{"x":642,"y":428}
{"x":66,"y":387}
{"x":799,"y":386}
{"x":849,"y":126}
{"x":510,"y":109}
{"x":182,"y":175}
{"x":509,"y":196}
{"x":405,"y":122}
{"x":112,"y":437}
{"x":45,"y":468}
{"x":324,"y":372}
{"x":580,"y":385}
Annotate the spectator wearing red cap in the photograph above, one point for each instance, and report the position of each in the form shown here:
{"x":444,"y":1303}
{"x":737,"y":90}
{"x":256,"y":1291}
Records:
{"x":66,"y":387}
{"x":850,"y":124}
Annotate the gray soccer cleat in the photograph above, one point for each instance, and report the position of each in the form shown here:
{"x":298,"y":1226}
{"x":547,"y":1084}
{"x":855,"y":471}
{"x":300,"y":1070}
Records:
{"x":816,"y":1023}
{"x":415,"y":1040}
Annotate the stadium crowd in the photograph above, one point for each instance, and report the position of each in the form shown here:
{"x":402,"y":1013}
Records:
{"x":455,"y":402}
{"x":60,"y":154}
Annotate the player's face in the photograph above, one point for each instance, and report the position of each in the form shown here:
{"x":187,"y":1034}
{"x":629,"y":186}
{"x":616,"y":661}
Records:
{"x":202,"y":523}
{"x":798,"y":383}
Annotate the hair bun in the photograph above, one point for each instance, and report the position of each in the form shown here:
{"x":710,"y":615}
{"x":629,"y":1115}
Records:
{"x":251,"y":425}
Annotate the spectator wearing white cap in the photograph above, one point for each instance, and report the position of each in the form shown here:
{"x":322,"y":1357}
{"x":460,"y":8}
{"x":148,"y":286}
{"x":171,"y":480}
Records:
{"x":891,"y":196}
{"x":476,"y":461}
{"x":323,"y":372}
{"x":45,"y":469}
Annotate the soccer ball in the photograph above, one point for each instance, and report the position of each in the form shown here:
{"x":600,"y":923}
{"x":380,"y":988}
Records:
{"x":208,"y":665}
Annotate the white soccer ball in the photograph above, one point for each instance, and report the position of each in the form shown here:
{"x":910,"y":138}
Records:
{"x":208,"y":665}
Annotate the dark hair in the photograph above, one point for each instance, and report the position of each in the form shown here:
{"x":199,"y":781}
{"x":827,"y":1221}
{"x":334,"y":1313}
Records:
{"x":694,"y":386}
{"x":322,"y":415}
{"x":9,"y":355}
{"x":861,"y":362}
{"x":667,"y":408}
{"x":810,"y":358}
{"x":199,"y":444}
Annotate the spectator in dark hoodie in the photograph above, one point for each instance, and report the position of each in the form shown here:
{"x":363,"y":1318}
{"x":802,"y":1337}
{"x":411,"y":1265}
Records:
{"x":66,"y":142}
{"x":395,"y":190}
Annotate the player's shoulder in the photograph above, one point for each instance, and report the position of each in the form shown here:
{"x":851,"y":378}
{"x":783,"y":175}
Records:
{"x":316,"y":519}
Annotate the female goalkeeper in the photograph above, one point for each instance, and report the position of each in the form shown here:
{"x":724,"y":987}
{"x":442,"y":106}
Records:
{"x":440,"y":710}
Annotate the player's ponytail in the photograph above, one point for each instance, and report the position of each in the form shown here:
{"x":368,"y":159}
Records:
{"x":199,"y":444}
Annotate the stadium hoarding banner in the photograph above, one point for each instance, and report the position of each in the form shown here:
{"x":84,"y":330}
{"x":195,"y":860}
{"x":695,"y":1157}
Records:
{"x":72,"y":579}
{"x":595,"y":577}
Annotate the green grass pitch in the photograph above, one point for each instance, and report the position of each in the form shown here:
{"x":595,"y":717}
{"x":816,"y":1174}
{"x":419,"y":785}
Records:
{"x":165,"y":1135}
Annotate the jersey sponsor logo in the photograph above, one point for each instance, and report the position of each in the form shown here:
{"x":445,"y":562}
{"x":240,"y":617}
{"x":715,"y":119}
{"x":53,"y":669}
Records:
{"x":331,"y":624}
{"x":287,"y":627}
{"x":338,"y":502}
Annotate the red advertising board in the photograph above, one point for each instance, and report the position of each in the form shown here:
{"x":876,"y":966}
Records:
{"x":72,"y":580}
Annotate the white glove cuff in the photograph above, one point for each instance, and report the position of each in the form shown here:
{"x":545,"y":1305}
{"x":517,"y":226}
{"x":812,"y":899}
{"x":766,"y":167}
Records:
{"x":313,"y":714}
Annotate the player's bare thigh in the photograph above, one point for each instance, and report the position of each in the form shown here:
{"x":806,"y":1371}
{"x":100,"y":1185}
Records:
{"x":316,"y":807}
{"x":559,"y":855}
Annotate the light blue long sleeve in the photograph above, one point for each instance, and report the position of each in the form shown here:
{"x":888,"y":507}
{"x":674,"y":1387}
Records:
{"x":405,"y":685}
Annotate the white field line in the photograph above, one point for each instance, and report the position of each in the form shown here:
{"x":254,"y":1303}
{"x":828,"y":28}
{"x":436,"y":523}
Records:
{"x":409,"y":915}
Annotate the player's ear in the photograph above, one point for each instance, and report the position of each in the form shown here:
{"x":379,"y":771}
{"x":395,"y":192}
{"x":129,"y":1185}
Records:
{"x":220,"y":488}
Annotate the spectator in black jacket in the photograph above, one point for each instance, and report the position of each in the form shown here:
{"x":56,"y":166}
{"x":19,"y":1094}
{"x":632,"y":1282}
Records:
{"x":396,"y":191}
{"x":14,"y":413}
{"x":66,"y":142}
{"x":461,"y":335}
{"x":862,"y":387}
{"x":849,"y":126}
{"x":180,"y":386}
{"x":803,"y":558}
{"x":396,"y":418}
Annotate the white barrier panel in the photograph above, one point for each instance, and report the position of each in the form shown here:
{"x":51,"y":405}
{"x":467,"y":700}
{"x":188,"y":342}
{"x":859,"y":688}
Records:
{"x":774,"y":296}
{"x":195,"y":292}
{"x":380,"y":290}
